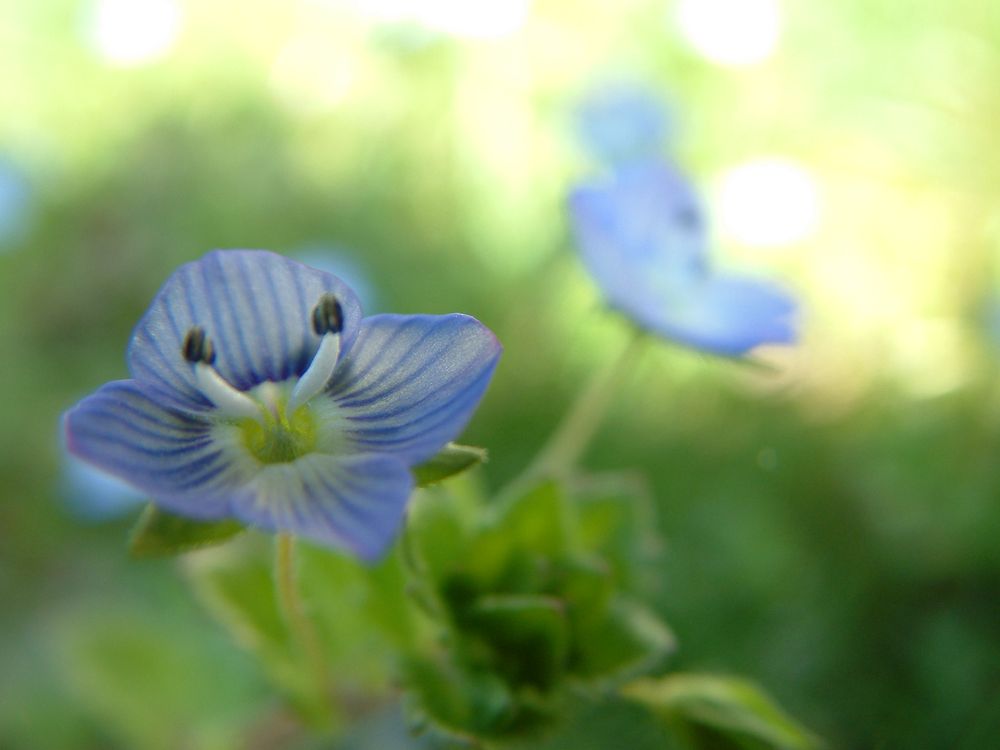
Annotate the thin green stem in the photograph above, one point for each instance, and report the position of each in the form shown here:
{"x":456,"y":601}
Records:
{"x":571,"y":438}
{"x":303,"y":632}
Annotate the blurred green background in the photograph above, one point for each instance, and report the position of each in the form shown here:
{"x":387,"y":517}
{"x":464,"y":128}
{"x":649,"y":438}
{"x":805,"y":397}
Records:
{"x":832,"y":527}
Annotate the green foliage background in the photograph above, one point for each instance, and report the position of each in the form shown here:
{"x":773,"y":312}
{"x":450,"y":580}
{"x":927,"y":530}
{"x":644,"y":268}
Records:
{"x":831,"y":529}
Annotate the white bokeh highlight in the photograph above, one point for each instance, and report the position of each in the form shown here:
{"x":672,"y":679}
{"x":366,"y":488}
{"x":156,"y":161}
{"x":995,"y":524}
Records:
{"x":471,"y":19}
{"x":731,"y":32}
{"x":128,"y":33}
{"x":768,"y":202}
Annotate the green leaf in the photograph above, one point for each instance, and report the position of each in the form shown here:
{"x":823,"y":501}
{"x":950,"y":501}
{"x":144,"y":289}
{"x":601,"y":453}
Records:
{"x":131,"y":671}
{"x":628,"y":642}
{"x":617,"y":520}
{"x":599,"y":722}
{"x":238,"y":589}
{"x":362,"y":612}
{"x":731,"y":706}
{"x":518,"y":539}
{"x":453,"y":459}
{"x":541,"y":520}
{"x":161,"y":534}
{"x":455,"y":701}
{"x":527,"y":637}
{"x":585,"y":586}
{"x":361,"y":616}
{"x":436,"y":538}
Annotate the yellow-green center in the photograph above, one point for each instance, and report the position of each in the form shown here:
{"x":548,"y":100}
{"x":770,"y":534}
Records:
{"x":278,"y":438}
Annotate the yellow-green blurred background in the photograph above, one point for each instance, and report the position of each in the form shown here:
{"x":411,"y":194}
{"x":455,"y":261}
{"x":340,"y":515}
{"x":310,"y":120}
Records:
{"x":833,"y":527}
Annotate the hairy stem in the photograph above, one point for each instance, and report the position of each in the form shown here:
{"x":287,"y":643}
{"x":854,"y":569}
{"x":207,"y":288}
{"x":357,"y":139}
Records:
{"x":303,"y":632}
{"x":571,"y":438}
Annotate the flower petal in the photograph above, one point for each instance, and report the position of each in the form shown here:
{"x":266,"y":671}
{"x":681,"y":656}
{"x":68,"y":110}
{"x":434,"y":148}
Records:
{"x":728,"y":315}
{"x":621,"y":122}
{"x":254,"y":305}
{"x":124,"y":430}
{"x":353,"y":502}
{"x":411,"y":382}
{"x":642,"y":236}
{"x":643,"y":230}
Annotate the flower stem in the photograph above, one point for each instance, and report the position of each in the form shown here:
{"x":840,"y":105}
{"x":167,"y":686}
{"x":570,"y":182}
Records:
{"x":303,"y":632}
{"x":571,"y":438}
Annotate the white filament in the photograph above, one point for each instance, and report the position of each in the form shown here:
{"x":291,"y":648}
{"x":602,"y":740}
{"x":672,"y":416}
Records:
{"x":229,"y":401}
{"x":315,"y":378}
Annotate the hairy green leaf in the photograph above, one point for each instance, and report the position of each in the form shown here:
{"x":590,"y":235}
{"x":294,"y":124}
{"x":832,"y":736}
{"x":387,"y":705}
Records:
{"x":628,"y":642}
{"x":161,"y":534}
{"x":730,"y":706}
{"x":453,"y":459}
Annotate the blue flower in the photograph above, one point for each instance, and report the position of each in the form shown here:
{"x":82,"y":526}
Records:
{"x":622,"y":123}
{"x":15,"y":204}
{"x":259,"y":393}
{"x":642,"y":236}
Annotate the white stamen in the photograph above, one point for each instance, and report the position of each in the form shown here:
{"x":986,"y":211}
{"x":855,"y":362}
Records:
{"x":315,"y":378}
{"x":229,"y":401}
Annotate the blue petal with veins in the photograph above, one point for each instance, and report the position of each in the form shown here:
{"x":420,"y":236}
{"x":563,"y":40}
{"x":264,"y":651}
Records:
{"x":255,"y":307}
{"x":412,"y":381}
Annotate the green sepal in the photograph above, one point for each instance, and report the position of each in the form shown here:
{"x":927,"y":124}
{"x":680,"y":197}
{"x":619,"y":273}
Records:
{"x":709,"y":709}
{"x":161,"y":534}
{"x":453,"y":459}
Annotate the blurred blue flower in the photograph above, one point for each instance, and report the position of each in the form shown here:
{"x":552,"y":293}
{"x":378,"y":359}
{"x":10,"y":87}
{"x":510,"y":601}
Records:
{"x":622,"y":123}
{"x":259,"y":392}
{"x":15,"y":203}
{"x":643,"y":237}
{"x":344,"y":264}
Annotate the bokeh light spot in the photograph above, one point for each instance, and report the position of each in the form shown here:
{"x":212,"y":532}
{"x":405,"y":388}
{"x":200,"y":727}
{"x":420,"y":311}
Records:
{"x":731,"y":32}
{"x":485,"y":19}
{"x":132,"y":32}
{"x":768,"y":202}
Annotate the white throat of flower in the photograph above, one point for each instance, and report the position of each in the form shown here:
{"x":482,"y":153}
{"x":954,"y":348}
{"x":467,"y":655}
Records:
{"x":232,"y":403}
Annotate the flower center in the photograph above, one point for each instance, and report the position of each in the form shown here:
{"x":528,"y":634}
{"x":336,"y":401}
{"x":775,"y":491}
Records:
{"x":279,"y":437}
{"x":274,"y":421}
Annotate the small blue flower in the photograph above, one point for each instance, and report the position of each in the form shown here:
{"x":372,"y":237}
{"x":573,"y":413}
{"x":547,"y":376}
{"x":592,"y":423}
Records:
{"x":259,"y":392}
{"x":622,"y":123}
{"x":643,"y":238}
{"x":15,"y":204}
